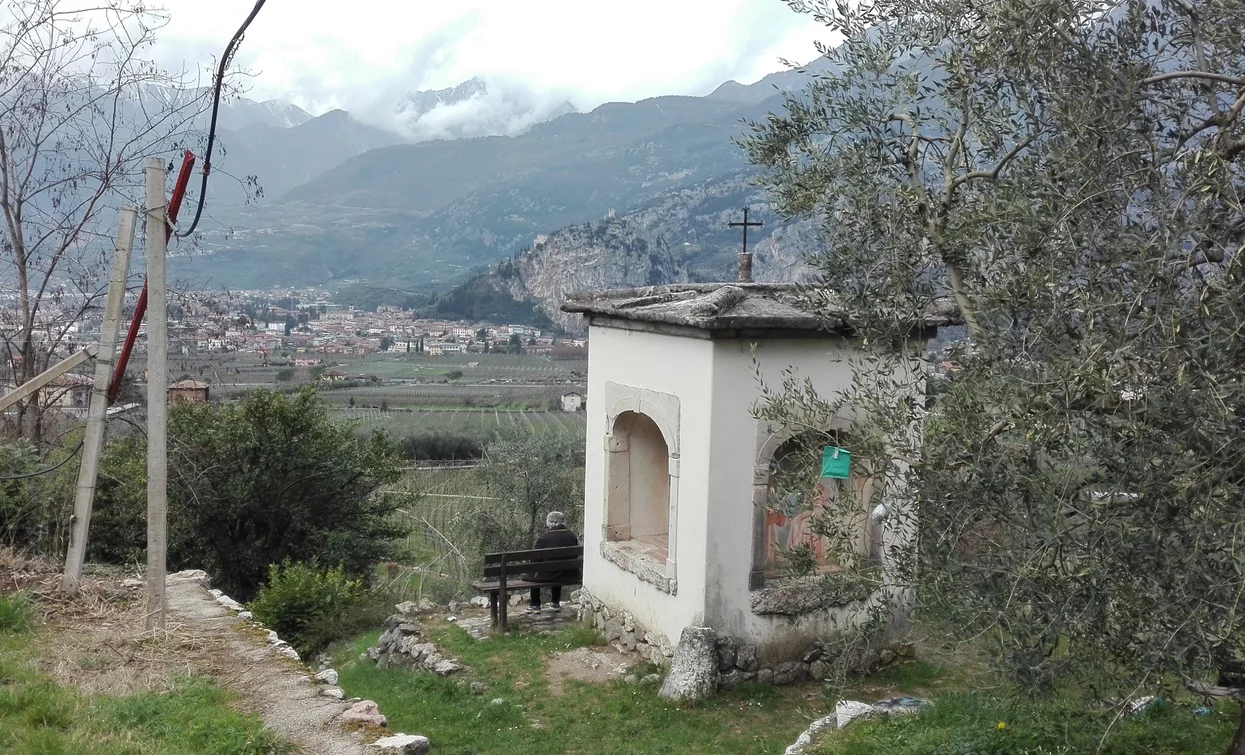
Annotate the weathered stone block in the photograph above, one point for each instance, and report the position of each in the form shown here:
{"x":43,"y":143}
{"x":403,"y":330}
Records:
{"x":402,"y":744}
{"x":366,"y":712}
{"x":613,"y":630}
{"x":765,"y":676}
{"x":789,"y":672}
{"x":812,"y":654}
{"x":735,"y":677}
{"x":447,"y":667}
{"x":727,"y":652}
{"x":746,"y":657}
{"x":800,"y":595}
{"x":818,"y":670}
{"x":694,"y":672}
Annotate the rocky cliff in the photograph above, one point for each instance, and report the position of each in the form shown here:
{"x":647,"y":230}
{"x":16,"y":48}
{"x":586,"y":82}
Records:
{"x":681,"y":236}
{"x":612,"y":253}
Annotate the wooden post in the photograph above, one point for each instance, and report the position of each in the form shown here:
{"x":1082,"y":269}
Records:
{"x":97,"y":414}
{"x":503,"y":595}
{"x":38,"y":382}
{"x":157,"y":393}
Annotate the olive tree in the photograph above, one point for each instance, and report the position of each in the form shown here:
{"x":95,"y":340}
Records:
{"x":1069,"y":174}
{"x":528,"y":473}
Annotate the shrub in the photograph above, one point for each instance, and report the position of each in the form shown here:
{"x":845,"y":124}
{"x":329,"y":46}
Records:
{"x":15,"y":613}
{"x":311,"y":607}
{"x":271,"y":478}
{"x":119,"y":516}
{"x":441,"y":446}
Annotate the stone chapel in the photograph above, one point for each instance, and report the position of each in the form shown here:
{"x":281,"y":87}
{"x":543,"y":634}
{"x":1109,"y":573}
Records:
{"x":676,"y":531}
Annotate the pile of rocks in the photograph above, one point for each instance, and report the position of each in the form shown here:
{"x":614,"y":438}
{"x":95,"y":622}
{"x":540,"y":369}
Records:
{"x":404,"y":643}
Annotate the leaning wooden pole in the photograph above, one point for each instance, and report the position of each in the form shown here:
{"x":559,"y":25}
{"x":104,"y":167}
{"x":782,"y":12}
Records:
{"x":97,"y":414}
{"x":157,"y":393}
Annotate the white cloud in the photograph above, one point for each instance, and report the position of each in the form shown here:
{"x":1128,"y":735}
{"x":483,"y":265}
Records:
{"x":356,"y":55}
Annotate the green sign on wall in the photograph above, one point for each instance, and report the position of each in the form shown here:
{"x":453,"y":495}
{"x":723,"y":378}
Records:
{"x":836,"y":462}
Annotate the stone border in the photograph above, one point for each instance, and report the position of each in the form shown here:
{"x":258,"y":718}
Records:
{"x":359,"y":711}
{"x":633,"y":561}
{"x":806,"y":739}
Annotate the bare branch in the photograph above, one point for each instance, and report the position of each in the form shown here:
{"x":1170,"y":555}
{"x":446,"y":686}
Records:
{"x":1208,"y":75}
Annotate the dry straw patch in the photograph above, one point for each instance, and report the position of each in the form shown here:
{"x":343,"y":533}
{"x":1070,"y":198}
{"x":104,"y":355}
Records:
{"x":97,"y":640}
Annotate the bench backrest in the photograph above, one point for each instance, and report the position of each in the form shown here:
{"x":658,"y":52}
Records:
{"x":534,"y":561}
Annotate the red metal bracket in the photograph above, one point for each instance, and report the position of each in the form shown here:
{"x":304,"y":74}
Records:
{"x":140,"y":308}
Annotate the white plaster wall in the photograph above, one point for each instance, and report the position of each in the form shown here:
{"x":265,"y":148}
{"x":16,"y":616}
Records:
{"x":682,"y":367}
{"x":734,"y":435}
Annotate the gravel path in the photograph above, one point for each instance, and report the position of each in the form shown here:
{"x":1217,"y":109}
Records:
{"x":279,"y":690}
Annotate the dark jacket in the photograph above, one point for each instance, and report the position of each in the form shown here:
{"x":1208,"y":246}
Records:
{"x":558,"y":537}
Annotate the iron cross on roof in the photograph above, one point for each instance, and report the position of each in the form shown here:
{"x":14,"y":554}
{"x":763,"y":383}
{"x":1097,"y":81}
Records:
{"x":746,"y":225}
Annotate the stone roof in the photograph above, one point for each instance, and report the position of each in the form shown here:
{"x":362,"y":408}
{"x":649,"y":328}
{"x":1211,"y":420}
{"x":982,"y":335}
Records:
{"x":717,"y":307}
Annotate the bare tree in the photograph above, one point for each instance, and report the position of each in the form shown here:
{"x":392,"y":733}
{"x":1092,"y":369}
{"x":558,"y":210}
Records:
{"x":80,"y":107}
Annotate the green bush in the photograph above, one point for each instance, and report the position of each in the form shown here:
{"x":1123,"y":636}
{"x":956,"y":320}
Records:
{"x":311,"y":607}
{"x":441,"y":446}
{"x":34,"y":506}
{"x":15,"y":613}
{"x":272,"y":478}
{"x":119,"y":516}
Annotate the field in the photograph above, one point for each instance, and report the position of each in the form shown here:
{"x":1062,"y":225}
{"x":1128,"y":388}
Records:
{"x":472,"y":422}
{"x":402,"y":380}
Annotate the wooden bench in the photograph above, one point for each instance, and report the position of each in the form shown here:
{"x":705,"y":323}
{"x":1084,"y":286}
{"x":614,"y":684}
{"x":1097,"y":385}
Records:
{"x":505,"y":572}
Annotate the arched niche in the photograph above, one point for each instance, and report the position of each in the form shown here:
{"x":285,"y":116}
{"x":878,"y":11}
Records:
{"x":642,"y":474}
{"x":783,"y":521}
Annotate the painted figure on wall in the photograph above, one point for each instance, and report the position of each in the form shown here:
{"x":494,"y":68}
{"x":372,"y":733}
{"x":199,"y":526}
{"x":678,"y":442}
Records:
{"x":799,"y":496}
{"x":789,"y":528}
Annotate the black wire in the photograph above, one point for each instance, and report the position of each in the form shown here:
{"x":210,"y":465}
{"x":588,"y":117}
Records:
{"x":216,"y":89}
{"x":67,"y":459}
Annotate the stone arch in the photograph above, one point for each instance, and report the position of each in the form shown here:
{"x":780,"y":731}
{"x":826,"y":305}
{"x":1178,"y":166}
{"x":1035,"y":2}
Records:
{"x":771,"y":441}
{"x":642,"y":473}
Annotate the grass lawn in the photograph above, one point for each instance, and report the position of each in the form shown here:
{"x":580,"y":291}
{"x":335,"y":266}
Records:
{"x":975,"y":723}
{"x":602,"y":719}
{"x":41,"y":717}
{"x":621,"y":719}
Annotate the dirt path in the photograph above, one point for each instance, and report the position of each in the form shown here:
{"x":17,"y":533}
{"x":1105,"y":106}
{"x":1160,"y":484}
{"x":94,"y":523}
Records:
{"x":279,"y":690}
{"x":595,"y":666}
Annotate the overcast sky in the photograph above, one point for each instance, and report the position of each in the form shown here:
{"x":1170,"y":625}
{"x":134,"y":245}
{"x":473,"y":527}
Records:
{"x":360,"y":53}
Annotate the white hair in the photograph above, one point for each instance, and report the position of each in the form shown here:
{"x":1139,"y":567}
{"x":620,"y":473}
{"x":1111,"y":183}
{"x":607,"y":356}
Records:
{"x":555,"y":519}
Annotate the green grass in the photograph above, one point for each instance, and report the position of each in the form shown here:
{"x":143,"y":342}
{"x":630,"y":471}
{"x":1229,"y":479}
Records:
{"x":41,"y":717}
{"x":15,"y":613}
{"x":968,"y":723}
{"x":601,"y":719}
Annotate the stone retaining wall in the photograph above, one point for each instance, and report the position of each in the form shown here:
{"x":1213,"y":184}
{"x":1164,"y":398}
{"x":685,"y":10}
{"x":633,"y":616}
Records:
{"x":620,"y":629}
{"x":737,"y":662}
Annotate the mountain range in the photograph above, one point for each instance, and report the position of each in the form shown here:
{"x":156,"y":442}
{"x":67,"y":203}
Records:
{"x":345,"y":201}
